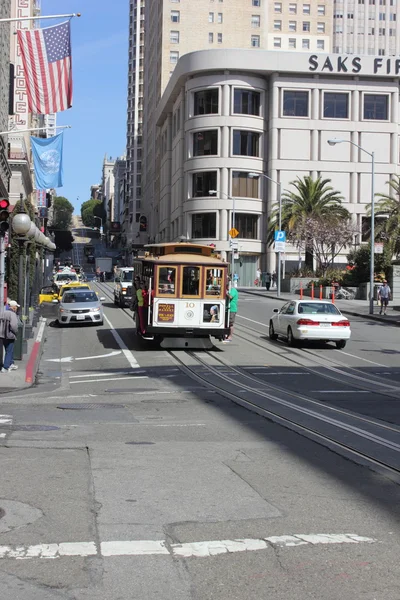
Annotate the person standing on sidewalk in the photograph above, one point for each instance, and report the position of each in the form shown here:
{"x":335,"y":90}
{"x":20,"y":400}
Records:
{"x":8,"y":334}
{"x":384,"y":296}
{"x":268,"y":281}
{"x":232,"y":296}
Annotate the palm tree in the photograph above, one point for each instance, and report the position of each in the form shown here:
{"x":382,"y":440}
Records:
{"x":388,"y":207}
{"x":311,"y":198}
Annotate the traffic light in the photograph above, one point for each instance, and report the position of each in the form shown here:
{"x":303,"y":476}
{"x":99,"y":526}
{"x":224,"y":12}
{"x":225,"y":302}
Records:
{"x":4,"y":216}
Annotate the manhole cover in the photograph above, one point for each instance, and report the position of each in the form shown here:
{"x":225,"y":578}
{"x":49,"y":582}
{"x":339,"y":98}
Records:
{"x":35,"y":428}
{"x":140,"y":443}
{"x":88,"y":406}
{"x":2,"y":513}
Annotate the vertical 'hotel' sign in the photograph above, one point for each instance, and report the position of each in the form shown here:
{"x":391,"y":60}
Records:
{"x":24,"y":9}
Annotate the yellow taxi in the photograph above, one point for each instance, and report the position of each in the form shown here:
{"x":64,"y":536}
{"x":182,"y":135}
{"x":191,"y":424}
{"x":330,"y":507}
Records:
{"x":49,"y":293}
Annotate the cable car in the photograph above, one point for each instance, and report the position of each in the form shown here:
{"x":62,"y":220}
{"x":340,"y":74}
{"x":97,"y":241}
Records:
{"x":184,"y":288}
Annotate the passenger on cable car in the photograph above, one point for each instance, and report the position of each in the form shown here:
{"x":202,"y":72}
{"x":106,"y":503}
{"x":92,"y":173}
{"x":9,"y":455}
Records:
{"x":142,"y":296}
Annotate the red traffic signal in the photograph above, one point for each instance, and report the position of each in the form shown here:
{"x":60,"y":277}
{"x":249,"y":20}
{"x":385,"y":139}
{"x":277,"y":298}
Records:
{"x":4,"y":216}
{"x":4,"y":204}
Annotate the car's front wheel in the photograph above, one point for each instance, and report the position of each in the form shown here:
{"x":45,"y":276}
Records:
{"x":291,"y":340}
{"x":341,"y":344}
{"x":272,"y":334}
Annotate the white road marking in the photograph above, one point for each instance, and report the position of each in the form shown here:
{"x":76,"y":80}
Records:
{"x":280,"y":373}
{"x":128,"y":354}
{"x":252,"y":320}
{"x":72,"y":359}
{"x":186,"y":550}
{"x":132,"y":377}
{"x":361,"y":358}
{"x":340,"y":391}
{"x":105,"y":374}
{"x":3,"y":435}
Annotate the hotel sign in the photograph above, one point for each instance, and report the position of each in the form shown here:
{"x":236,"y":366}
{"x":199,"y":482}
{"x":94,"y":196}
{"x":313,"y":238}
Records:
{"x":363,"y":65}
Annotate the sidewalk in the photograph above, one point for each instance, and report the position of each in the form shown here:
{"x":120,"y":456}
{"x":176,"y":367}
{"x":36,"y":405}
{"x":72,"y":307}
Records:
{"x":355,"y":308}
{"x":25,"y":375}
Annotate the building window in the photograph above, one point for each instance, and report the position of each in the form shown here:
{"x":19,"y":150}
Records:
{"x":321,"y":27}
{"x":206,"y":102}
{"x":247,"y":225}
{"x":306,"y":9}
{"x":278,"y":7}
{"x":321,"y":44}
{"x":321,"y":10}
{"x":255,"y":41}
{"x":277,"y":25}
{"x":175,"y":16}
{"x":174,"y":37}
{"x":204,"y":225}
{"x":246,"y":102}
{"x":219,"y":38}
{"x":292,"y":25}
{"x":376,"y":107}
{"x":244,"y":186}
{"x":245,"y":143}
{"x":277,"y":42}
{"x":211,"y":17}
{"x":173,"y":57}
{"x":305,"y":44}
{"x":306,"y":25}
{"x":293,"y":9}
{"x":255,"y":21}
{"x":220,"y":18}
{"x":202,"y":183}
{"x":292,"y":42}
{"x":336,"y":106}
{"x":211,"y":38}
{"x":205,"y":143}
{"x":295,"y":103}
{"x":256,"y":2}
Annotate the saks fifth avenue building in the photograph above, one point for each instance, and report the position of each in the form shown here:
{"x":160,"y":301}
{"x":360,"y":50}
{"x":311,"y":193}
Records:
{"x":228,"y":113}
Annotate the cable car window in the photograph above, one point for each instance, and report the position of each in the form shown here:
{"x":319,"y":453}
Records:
{"x":213,"y":282}
{"x":191,"y":281}
{"x":166,"y":281}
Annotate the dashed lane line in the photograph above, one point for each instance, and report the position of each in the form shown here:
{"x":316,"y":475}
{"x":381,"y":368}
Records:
{"x":128,"y":354}
{"x":132,"y":377}
{"x":186,"y":550}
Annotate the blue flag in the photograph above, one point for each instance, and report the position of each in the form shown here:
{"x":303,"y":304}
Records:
{"x":47,"y":161}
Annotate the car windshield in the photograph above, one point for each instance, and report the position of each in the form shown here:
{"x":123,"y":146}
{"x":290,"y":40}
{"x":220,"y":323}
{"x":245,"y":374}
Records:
{"x":127,"y":276}
{"x":90,"y":276}
{"x":67,"y":276}
{"x":70,"y":298}
{"x":68,"y":288}
{"x":311,"y":308}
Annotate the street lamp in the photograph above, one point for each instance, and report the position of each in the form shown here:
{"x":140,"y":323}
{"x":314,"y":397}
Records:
{"x":333,"y":142}
{"x":213,"y":193}
{"x":279,"y":190}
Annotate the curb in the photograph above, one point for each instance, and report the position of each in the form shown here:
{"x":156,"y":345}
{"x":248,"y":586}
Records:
{"x":349,"y":312}
{"x":32,"y":364}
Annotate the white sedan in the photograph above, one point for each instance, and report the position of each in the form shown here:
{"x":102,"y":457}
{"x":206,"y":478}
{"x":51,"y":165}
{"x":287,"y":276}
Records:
{"x":310,"y":320}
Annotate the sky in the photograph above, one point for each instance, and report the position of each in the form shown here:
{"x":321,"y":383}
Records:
{"x":98,"y":114}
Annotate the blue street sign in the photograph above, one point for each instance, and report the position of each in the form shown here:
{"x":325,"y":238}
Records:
{"x":280,"y":236}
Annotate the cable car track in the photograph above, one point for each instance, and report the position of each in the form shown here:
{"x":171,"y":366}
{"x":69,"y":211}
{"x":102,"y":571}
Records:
{"x":319,"y":426}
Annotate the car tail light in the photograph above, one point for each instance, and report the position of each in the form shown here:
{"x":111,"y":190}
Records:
{"x":344,"y":323}
{"x":307,"y":322}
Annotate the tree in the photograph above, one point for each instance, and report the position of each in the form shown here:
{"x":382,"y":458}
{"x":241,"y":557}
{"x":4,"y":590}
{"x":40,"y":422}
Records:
{"x":388,"y":207}
{"x":360,"y":261}
{"x":63,"y":240}
{"x":310,"y":198}
{"x":62,"y":213}
{"x":326,"y":238}
{"x":89,"y":210}
{"x":14,"y":253}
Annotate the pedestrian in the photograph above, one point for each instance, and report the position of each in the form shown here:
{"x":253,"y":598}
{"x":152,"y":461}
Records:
{"x":8,"y":334}
{"x":274,"y":278}
{"x":232,"y":297}
{"x":268,"y":281}
{"x":384,"y":293}
{"x":258,"y":276}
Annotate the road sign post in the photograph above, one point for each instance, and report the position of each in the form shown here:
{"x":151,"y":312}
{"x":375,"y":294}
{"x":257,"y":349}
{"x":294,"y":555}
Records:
{"x":280,"y":246}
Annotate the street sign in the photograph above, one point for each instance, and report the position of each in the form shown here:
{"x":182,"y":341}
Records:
{"x":280,"y":236}
{"x":233,"y":232}
{"x":378,"y":248}
{"x":234,"y":245}
{"x":280,"y":246}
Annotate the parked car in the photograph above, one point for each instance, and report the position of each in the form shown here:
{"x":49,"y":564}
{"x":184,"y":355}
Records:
{"x":310,"y":320}
{"x":80,"y":306}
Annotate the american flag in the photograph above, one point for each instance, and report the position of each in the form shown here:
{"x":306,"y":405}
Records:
{"x":47,"y":60}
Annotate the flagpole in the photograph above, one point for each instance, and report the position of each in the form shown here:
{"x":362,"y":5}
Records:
{"x":14,"y":19}
{"x":34,"y":129}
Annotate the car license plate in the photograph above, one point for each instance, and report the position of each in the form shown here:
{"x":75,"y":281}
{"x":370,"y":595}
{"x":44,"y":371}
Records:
{"x":80,"y":317}
{"x":324,"y":324}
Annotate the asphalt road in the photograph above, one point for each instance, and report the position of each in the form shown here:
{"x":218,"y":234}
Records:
{"x":140,"y":481}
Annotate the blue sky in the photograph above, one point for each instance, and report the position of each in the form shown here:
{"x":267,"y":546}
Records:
{"x":98,"y":115}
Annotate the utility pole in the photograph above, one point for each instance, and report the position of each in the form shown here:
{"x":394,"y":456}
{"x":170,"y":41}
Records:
{"x":2,"y":270}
